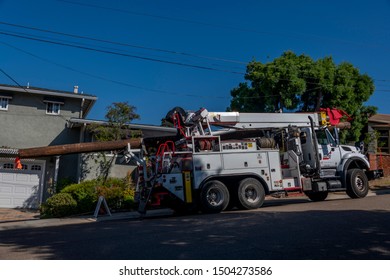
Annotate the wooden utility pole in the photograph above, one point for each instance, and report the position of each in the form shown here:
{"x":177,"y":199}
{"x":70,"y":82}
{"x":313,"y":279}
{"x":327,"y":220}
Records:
{"x":78,"y":148}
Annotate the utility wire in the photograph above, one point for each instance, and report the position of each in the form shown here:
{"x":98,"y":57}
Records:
{"x":12,"y":79}
{"x":140,"y":47}
{"x":122,"y":83}
{"x":122,"y":44}
{"x":293,"y":35}
{"x":120,"y":54}
{"x":24,"y":89}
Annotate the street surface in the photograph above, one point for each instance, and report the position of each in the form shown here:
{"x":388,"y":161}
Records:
{"x":294,"y":228}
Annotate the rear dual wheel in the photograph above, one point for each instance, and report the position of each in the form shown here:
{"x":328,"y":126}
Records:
{"x":214,"y":197}
{"x":251,"y":194}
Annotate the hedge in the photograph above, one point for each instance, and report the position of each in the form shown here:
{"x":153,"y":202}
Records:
{"x":82,"y":198}
{"x":59,"y":205}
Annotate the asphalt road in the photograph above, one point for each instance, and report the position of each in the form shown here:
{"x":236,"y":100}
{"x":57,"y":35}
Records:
{"x":283,"y":229}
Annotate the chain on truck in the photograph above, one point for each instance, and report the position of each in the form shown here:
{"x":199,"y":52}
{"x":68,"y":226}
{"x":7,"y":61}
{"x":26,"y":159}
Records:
{"x":250,"y":156}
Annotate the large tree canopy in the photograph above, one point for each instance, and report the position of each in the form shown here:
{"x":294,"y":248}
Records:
{"x":299,"y":83}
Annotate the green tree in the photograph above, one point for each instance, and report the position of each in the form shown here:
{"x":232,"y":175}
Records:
{"x":118,"y":116}
{"x":299,"y":83}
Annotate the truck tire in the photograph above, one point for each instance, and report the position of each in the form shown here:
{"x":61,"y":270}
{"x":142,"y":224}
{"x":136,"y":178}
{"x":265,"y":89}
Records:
{"x":317,"y":196}
{"x":357,"y":183}
{"x":214,"y":197}
{"x":250,"y":194}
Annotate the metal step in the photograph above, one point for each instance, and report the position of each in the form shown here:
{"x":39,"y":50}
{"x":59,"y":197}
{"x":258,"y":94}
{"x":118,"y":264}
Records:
{"x":144,"y":198}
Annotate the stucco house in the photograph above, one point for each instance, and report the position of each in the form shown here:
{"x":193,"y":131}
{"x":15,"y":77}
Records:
{"x":35,"y":117}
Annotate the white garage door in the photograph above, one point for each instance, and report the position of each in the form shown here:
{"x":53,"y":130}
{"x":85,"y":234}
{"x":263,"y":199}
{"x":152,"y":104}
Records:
{"x":21,"y":187}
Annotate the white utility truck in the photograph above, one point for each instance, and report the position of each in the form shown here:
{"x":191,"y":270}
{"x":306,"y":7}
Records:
{"x":195,"y":166}
{"x":253,"y":155}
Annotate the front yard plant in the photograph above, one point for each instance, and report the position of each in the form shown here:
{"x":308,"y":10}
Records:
{"x":76,"y":199}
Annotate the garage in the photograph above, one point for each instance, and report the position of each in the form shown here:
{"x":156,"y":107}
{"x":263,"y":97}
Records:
{"x":21,"y":188}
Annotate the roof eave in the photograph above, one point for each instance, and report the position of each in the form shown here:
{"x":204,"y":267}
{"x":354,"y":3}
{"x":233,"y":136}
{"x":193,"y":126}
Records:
{"x":48,"y":92}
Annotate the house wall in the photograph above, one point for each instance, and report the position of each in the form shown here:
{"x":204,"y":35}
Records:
{"x":25,"y":124}
{"x":91,"y":166}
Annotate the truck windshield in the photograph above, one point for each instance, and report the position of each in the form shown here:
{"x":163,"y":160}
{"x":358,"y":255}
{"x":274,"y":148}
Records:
{"x":324,"y":137}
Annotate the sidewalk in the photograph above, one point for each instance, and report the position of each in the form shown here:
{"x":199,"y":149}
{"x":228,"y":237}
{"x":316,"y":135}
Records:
{"x":13,"y":215}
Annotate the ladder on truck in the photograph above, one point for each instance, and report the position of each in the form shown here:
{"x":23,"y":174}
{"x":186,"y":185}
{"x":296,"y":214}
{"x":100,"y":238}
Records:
{"x":163,"y":163}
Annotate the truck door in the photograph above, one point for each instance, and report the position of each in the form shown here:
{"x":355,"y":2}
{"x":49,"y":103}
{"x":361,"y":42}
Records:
{"x":328,"y":149}
{"x":307,"y":147}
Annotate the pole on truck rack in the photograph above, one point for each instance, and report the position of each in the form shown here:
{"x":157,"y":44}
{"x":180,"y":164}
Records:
{"x":77,"y":148}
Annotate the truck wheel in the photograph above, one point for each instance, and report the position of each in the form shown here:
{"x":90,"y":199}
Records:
{"x":317,"y":196}
{"x":251,"y":194}
{"x":214,"y":197}
{"x":357,"y":183}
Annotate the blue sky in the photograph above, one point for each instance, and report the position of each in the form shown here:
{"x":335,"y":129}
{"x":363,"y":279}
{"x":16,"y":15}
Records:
{"x":183,"y":53}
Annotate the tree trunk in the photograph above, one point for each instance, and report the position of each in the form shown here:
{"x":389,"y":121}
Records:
{"x":318,"y":101}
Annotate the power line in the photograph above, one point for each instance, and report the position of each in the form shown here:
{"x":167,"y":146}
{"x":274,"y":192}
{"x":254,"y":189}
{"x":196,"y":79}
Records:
{"x":141,"y":47}
{"x":122,"y":83}
{"x":12,"y":79}
{"x":123,"y":44}
{"x":119,"y":54}
{"x":221,"y":26}
{"x":24,"y":89}
{"x":107,"y":79}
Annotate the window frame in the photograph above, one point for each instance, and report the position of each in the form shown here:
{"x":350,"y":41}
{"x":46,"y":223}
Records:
{"x":54,"y":105}
{"x":6,"y":100}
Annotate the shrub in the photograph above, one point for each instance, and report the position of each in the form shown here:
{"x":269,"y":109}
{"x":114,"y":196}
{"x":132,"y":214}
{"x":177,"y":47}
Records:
{"x":62,"y":183}
{"x":117,"y":197}
{"x":128,"y":198}
{"x":59,"y":205}
{"x":113,"y":196}
{"x":85,"y":194}
{"x":115,"y":182}
{"x":82,"y":198}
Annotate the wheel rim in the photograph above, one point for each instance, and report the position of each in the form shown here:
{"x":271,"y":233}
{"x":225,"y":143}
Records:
{"x":251,"y":194}
{"x":359,"y":183}
{"x":214,"y":196}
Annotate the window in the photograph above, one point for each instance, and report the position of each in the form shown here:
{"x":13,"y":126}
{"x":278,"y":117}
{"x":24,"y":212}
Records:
{"x":383,"y":141}
{"x":325,"y":137}
{"x":8,"y":166}
{"x":36,"y":167}
{"x":4,"y":103}
{"x":53,"y":108}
